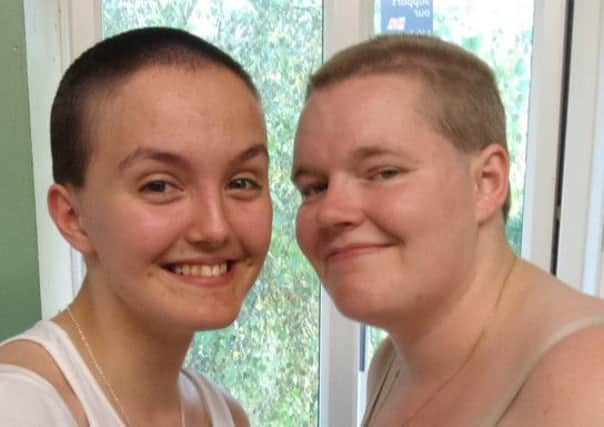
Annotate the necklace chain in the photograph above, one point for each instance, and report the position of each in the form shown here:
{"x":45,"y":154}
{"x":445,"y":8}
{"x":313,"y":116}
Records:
{"x":106,"y":382}
{"x":466,"y":360}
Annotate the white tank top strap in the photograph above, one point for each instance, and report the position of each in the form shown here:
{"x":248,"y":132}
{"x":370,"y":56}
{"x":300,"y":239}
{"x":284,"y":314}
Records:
{"x":213,"y":397}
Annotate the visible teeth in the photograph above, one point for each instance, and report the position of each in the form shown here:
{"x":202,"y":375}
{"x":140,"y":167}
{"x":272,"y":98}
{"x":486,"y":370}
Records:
{"x":201,"y":270}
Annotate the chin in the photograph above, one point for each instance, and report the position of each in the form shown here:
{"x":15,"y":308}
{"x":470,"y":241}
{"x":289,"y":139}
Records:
{"x":354,"y":305}
{"x":218,"y":319}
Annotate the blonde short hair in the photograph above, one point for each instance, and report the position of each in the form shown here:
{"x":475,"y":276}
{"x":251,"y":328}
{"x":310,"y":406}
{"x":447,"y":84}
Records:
{"x":461,"y":102}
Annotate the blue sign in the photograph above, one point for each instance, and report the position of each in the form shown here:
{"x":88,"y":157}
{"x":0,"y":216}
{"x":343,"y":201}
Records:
{"x":410,"y":16}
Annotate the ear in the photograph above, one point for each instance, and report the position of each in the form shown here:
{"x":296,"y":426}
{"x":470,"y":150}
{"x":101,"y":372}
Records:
{"x":65,"y":212}
{"x":491,"y":170}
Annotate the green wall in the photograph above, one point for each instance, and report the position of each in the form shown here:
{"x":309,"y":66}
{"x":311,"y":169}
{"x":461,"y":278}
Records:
{"x":19,"y":283}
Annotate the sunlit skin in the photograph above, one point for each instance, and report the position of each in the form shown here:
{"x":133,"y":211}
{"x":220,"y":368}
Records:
{"x":178,"y":178}
{"x":386,"y":200}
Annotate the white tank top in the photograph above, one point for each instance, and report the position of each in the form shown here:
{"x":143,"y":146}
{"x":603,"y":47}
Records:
{"x":27,"y":399}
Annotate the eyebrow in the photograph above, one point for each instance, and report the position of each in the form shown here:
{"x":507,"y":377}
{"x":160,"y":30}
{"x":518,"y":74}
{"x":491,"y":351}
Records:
{"x":369,"y":151}
{"x":298,"y":172}
{"x":358,"y":154}
{"x":249,"y":153}
{"x":146,"y":153}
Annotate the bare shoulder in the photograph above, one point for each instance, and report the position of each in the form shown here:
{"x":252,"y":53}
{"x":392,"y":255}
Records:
{"x":567,"y":386}
{"x":378,"y":366}
{"x":238,"y":413}
{"x":33,"y":357}
{"x":29,"y":355}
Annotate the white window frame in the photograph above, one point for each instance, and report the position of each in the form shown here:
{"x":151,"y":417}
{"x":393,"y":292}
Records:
{"x":58,"y":30}
{"x":547,"y":74}
{"x":580,"y":254}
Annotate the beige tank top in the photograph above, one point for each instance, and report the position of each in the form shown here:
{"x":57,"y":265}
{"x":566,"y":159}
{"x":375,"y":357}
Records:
{"x":499,"y":410}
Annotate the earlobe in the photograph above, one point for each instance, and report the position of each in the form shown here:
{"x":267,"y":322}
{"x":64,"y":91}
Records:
{"x":491,"y":175}
{"x":65,"y":213}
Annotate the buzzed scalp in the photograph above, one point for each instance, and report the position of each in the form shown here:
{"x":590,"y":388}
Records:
{"x":104,"y":66}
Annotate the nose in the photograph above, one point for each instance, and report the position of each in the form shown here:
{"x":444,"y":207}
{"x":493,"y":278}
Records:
{"x":339,"y":207}
{"x":209,"y":224}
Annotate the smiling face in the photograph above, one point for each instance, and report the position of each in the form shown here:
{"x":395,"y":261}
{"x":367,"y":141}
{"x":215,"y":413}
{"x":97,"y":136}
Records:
{"x":387,"y":215}
{"x":175,"y":210}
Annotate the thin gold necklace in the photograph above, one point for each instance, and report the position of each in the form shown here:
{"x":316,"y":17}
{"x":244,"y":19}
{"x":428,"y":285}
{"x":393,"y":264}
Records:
{"x":106,"y":382}
{"x":466,"y":360}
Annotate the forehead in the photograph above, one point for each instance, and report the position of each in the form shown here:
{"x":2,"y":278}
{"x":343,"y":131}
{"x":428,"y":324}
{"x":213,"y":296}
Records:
{"x":171,"y":104}
{"x":360,"y":101}
{"x":371,"y":93}
{"x":173,"y":89}
{"x":361,"y":108}
{"x":367,"y":117}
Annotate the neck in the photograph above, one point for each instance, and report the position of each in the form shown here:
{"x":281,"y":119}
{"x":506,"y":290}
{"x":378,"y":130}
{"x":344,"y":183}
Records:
{"x":141,"y":364}
{"x":436,"y":346}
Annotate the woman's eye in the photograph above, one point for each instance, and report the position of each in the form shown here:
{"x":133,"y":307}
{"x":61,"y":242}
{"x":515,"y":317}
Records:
{"x":244,"y":184}
{"x":159,"y":191}
{"x":311,"y":190}
{"x":157,"y":186}
{"x":385,"y":174}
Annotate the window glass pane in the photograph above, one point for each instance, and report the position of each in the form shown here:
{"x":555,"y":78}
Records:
{"x":501,"y":34}
{"x":269,"y":358}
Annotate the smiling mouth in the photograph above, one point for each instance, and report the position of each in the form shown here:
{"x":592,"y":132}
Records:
{"x":354,"y":251}
{"x":199,"y":270}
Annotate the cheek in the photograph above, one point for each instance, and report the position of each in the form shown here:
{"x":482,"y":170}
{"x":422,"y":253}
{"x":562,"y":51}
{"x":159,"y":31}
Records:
{"x":432,"y":217}
{"x":304,"y":231}
{"x":457,"y":202}
{"x":252,"y":225}
{"x":397,"y":209}
{"x":145,"y":233}
{"x":157,"y":232}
